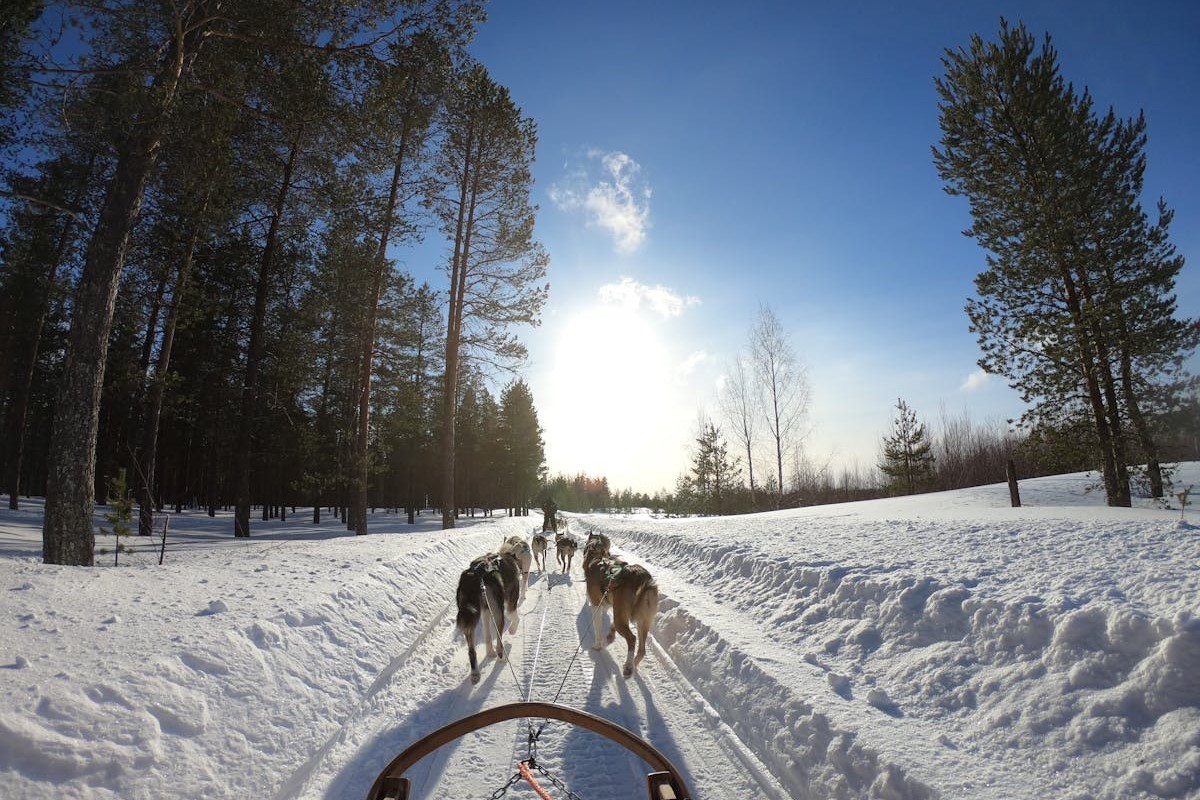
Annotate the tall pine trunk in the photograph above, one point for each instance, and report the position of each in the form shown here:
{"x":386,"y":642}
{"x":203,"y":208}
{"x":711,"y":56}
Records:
{"x":19,"y":406}
{"x":68,"y":536}
{"x":158,"y":389}
{"x":249,"y":405}
{"x":458,"y":281}
{"x":366,"y":357}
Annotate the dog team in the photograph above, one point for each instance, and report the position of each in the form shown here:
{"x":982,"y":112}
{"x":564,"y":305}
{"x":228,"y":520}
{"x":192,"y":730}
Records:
{"x":492,"y":588}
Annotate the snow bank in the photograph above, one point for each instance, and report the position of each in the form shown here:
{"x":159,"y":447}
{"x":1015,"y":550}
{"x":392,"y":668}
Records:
{"x":1039,"y":643}
{"x":240,"y":669}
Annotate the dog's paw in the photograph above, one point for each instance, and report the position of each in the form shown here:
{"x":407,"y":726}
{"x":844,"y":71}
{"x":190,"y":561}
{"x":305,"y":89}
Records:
{"x":611,"y":636}
{"x":628,"y":671}
{"x":474,"y":678}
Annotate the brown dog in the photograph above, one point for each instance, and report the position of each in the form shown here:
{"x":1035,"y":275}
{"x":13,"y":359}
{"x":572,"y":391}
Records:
{"x":629,"y":589}
{"x":564,"y":548}
{"x":540,"y":545}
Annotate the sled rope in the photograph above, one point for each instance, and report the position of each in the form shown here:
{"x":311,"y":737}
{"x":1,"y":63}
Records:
{"x":537,"y":651}
{"x":523,"y":768}
{"x":487,"y":600}
{"x":533,"y":736}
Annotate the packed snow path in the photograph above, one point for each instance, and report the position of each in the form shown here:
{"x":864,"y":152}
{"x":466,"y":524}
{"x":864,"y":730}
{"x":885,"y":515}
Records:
{"x":549,"y":659}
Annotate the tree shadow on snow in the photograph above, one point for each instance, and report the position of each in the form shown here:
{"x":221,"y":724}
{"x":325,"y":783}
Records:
{"x":359,"y":773}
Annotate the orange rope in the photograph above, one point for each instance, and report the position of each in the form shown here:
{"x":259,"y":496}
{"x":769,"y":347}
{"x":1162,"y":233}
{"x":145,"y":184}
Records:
{"x":523,"y":768}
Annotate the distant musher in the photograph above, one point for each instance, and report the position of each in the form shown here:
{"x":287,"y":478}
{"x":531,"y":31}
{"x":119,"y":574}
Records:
{"x":550,"y":510}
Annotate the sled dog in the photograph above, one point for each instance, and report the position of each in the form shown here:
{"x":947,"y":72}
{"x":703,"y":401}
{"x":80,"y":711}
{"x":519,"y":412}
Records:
{"x":632,"y":593}
{"x":540,"y":545}
{"x":564,"y":548}
{"x":487,"y":590}
{"x":597,"y":544}
{"x":519,"y":549}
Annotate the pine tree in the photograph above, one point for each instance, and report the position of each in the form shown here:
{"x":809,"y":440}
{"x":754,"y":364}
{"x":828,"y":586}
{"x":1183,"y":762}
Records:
{"x":907,"y":454}
{"x":496,"y":268}
{"x":524,"y":459}
{"x":714,"y":473}
{"x":120,"y":513}
{"x":1076,"y":307}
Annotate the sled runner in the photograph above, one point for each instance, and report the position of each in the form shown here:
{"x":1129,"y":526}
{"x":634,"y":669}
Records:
{"x":665,"y":783}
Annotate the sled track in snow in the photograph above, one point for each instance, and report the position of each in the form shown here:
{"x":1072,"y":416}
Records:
{"x":293,"y":784}
{"x":550,"y":658}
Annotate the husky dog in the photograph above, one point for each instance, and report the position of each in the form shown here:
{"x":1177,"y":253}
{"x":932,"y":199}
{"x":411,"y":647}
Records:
{"x":597,"y":544}
{"x":519,"y":549}
{"x":631,"y":591}
{"x":564,"y":548}
{"x":487,"y":590}
{"x":540,"y":545}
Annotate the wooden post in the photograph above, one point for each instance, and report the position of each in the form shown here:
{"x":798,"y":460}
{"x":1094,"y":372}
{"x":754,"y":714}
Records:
{"x":1010,"y":470}
{"x":163,"y":551}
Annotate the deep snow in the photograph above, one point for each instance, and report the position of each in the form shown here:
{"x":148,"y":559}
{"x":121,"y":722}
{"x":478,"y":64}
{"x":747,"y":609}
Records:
{"x":936,"y":646}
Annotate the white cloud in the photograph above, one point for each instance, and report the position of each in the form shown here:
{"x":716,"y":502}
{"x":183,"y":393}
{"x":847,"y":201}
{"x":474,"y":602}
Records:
{"x":617,"y":201}
{"x":689,"y":364}
{"x":975,"y":381}
{"x":632,"y":295}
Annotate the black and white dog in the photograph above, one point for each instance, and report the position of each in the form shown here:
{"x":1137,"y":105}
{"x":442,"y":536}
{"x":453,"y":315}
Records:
{"x":488,"y":590}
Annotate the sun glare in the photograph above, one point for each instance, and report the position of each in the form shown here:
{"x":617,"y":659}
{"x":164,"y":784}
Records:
{"x":610,"y":382}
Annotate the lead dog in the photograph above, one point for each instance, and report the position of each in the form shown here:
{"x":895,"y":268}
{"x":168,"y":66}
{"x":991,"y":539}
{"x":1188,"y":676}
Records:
{"x":487,"y":590}
{"x":631,"y":591}
{"x":564,"y":548}
{"x":519,"y":548}
{"x":540,"y":545}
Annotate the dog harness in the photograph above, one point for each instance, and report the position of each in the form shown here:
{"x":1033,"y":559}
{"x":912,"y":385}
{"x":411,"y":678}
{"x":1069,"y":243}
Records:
{"x":490,"y":563}
{"x":612,"y":573}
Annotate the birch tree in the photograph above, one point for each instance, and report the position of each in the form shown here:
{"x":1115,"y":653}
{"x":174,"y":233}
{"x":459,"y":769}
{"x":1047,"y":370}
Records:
{"x":782,"y":386}
{"x":737,"y":402}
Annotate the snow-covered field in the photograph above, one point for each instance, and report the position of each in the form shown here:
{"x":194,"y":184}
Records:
{"x":938,"y":646}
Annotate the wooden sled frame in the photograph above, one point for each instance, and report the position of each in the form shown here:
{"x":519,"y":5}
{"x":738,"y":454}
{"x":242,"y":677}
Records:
{"x":664,"y":784}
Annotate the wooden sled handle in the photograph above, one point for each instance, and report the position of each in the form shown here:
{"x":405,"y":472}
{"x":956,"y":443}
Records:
{"x":664,"y":783}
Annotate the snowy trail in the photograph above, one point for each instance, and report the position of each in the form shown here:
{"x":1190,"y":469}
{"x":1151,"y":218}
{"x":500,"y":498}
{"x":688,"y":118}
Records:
{"x":427,"y":685}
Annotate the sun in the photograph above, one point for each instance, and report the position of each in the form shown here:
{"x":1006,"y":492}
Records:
{"x":608,"y":390}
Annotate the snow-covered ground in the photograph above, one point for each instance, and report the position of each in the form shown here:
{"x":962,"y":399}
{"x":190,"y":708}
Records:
{"x":937,"y":646}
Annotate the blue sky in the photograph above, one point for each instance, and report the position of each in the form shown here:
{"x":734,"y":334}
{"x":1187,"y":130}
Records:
{"x":696,"y":160}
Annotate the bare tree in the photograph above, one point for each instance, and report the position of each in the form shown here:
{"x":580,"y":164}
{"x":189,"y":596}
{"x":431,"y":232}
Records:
{"x":736,"y":398}
{"x":782,"y":385}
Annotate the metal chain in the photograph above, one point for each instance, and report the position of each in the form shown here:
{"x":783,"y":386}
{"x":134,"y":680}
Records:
{"x":503,"y":790}
{"x":559,"y":784}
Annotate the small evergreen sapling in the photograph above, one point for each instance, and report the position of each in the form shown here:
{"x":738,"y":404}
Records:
{"x":120,"y":513}
{"x":1183,"y":504}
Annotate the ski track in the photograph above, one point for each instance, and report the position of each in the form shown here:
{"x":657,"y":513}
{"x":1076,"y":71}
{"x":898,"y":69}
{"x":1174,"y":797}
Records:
{"x":549,"y":659}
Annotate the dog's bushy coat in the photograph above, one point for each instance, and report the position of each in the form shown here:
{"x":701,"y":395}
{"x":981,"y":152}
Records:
{"x":488,"y":590}
{"x":629,"y":589}
{"x":564,"y":549}
{"x":540,"y":545}
{"x":519,"y":549}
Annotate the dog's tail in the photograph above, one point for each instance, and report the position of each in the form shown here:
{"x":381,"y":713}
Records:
{"x":645,"y":606}
{"x":469,"y":604}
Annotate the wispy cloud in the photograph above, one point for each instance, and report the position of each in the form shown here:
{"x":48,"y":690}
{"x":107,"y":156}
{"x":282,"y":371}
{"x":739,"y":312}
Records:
{"x":975,"y":381}
{"x":662,"y":300}
{"x":689,"y":364}
{"x":610,"y":191}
